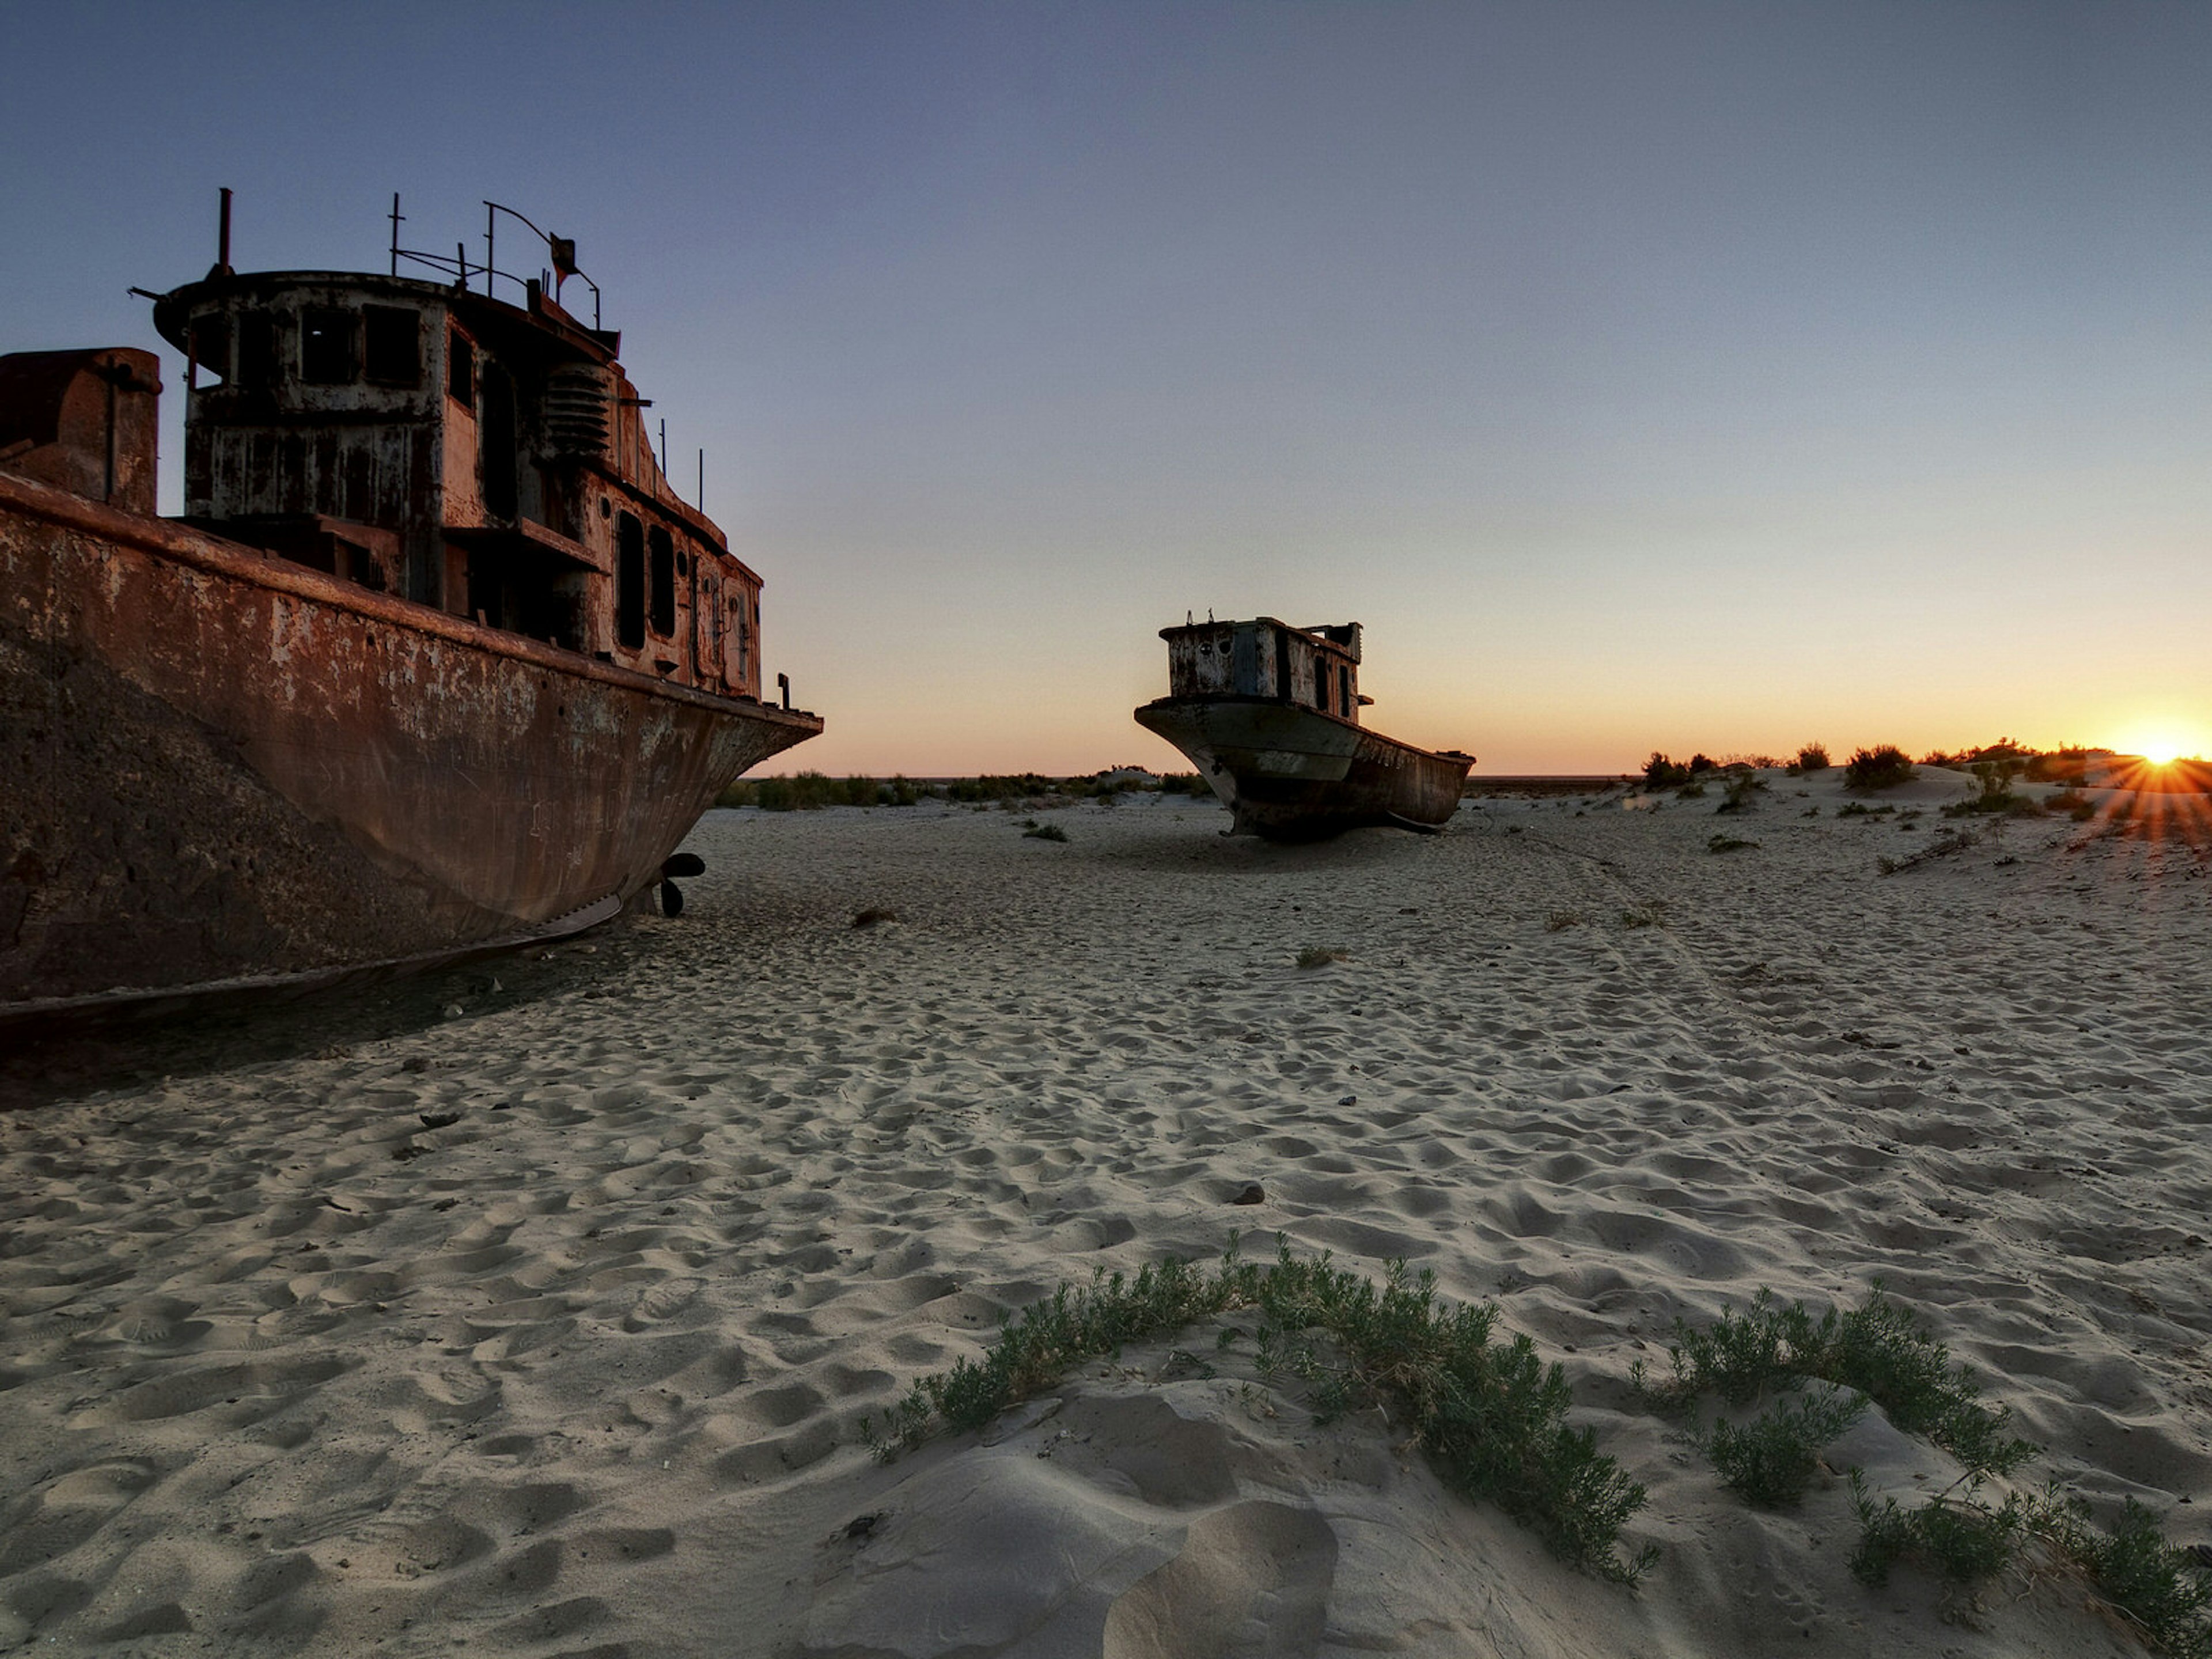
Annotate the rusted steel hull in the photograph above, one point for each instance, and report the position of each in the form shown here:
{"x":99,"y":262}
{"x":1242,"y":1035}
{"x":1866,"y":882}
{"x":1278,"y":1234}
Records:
{"x":1296,"y":774}
{"x":216,"y":766}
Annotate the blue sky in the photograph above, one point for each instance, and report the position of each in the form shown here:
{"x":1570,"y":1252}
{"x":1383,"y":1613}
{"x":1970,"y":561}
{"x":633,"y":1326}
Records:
{"x":1643,"y":375}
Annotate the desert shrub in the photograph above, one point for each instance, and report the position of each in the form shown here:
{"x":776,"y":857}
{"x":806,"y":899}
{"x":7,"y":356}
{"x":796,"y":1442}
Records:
{"x":1558,"y":921}
{"x":1770,"y":1460}
{"x":1812,"y":758}
{"x":1961,"y":1537}
{"x":1691,"y":792}
{"x":1702,"y":763}
{"x":1184,"y":783}
{"x":1742,"y":791}
{"x":2164,"y":1590}
{"x":1044,"y":832}
{"x":1884,"y":767}
{"x":1652,"y":912}
{"x":2072,"y":802}
{"x":1661,"y":773}
{"x":1878,"y":1348}
{"x":1729,"y":844}
{"x":1490,"y":1416}
{"x":803,"y":792}
{"x":1320,"y":956}
{"x":1014,"y":786}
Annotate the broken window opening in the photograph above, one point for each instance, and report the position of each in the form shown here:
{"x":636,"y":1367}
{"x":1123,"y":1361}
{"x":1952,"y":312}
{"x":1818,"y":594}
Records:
{"x":496,"y":457}
{"x":394,"y":356}
{"x":460,"y":368}
{"x":211,"y":346}
{"x":257,"y":350}
{"x":663,"y":582}
{"x":326,"y":346}
{"x":629,"y":583}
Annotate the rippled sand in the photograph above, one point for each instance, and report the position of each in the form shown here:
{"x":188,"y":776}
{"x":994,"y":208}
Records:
{"x":579,"y":1371}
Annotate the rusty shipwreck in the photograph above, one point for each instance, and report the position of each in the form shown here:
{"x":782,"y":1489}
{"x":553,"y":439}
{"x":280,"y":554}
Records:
{"x":1269,"y":714}
{"x":436,"y":660}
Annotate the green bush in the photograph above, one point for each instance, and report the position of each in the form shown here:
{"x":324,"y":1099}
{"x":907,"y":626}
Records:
{"x":1884,"y":767}
{"x":1770,"y":1460}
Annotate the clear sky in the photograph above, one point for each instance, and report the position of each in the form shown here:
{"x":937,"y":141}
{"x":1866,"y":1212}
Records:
{"x":1643,"y":375}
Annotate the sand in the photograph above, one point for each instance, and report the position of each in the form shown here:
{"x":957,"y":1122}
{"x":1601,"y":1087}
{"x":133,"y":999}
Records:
{"x":580,"y":1371}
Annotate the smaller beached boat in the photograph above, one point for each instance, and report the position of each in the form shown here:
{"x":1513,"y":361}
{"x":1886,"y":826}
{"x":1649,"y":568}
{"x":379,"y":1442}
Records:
{"x":1269,"y":714}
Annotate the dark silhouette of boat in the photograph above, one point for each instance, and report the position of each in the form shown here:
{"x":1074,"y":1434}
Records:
{"x":1269,"y":714}
{"x":436,"y":660}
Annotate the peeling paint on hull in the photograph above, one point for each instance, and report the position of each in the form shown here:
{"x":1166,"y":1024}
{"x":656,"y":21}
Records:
{"x":215,"y":765}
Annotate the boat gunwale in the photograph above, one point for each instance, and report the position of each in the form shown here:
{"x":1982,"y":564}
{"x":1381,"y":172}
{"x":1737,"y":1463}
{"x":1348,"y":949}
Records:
{"x":188,"y":546}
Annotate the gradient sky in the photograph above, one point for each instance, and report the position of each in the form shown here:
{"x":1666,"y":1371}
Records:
{"x":1643,"y":375}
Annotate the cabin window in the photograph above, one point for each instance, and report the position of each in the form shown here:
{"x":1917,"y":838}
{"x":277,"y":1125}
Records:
{"x":257,"y":350}
{"x":326,"y":346}
{"x":211,"y":346}
{"x":461,"y":368}
{"x":498,"y":461}
{"x":629,"y":582}
{"x":394,"y":341}
{"x":664,"y":580}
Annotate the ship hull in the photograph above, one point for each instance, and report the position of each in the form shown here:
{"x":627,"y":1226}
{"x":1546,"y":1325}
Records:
{"x":1290,"y":772}
{"x":216,"y":767}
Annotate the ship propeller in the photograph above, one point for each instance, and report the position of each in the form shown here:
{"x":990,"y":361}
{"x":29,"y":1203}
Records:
{"x":677,"y":864}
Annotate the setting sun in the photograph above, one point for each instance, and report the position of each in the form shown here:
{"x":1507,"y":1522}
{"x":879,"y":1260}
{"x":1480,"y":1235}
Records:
{"x":2161,"y":746}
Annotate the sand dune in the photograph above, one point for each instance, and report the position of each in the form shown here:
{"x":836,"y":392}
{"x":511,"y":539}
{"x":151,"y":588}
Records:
{"x":580,"y":1370}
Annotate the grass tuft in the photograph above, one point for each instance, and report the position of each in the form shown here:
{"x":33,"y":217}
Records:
{"x":1044,"y":832}
{"x":1320,"y":956}
{"x":1652,"y":912}
{"x":1728,"y":844}
{"x":1490,"y":1416}
{"x":1558,"y":921}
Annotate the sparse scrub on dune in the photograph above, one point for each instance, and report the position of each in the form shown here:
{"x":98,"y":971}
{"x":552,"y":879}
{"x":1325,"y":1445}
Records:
{"x":1742,"y":791}
{"x":1661,"y":773}
{"x":1948,"y":844}
{"x":1729,"y":844}
{"x":1878,"y":1348}
{"x":1877,"y":1351}
{"x":1772,"y":1459}
{"x":2163,"y":1590}
{"x":1996,"y":796}
{"x":1652,"y":912}
{"x":1957,"y":1534}
{"x":1812,"y":758}
{"x":1490,"y":1416}
{"x":2072,"y":802}
{"x":1882,"y":767}
{"x":1320,"y":956}
{"x":808,"y":792}
{"x":1558,"y":921}
{"x":1044,"y":832}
